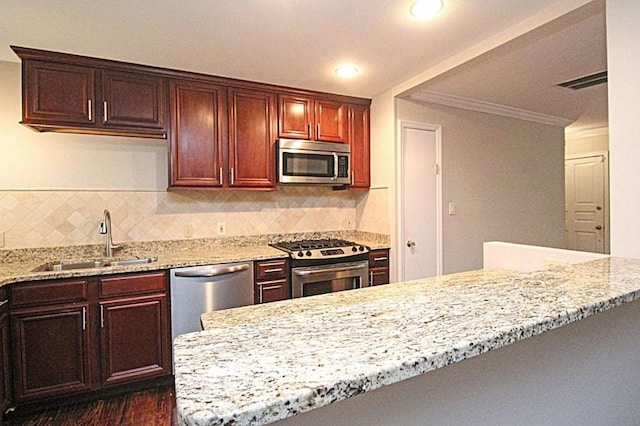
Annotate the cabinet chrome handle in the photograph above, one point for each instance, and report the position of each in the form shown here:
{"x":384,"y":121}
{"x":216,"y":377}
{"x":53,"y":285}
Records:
{"x":104,"y":112}
{"x":4,"y":302}
{"x":101,"y":316}
{"x":232,"y":177}
{"x":220,"y":174}
{"x":90,"y":107}
{"x":309,"y":130}
{"x":353,"y":177}
{"x":268,"y":271}
{"x":318,"y":131}
{"x":84,"y":318}
{"x":379,"y":259}
{"x":370,"y":277}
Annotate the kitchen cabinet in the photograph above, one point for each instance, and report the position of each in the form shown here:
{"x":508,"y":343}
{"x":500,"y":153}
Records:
{"x":75,"y":336}
{"x":50,"y":339}
{"x":301,"y":117}
{"x":271,"y":281}
{"x":379,"y":267}
{"x":6,"y":398}
{"x":222,"y":137}
{"x":359,"y":143}
{"x":134,"y":327}
{"x":252,"y":135}
{"x":68,"y":93}
{"x":198,"y":134}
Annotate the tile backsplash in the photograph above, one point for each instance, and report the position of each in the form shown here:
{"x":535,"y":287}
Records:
{"x":67,"y":218}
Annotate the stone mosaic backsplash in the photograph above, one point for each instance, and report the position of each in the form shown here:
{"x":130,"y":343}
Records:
{"x":31,"y":219}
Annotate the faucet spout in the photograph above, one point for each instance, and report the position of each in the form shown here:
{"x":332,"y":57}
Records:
{"x":105,"y":229}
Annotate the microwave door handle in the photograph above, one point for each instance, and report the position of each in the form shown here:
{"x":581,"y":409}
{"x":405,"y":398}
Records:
{"x":335,"y":166}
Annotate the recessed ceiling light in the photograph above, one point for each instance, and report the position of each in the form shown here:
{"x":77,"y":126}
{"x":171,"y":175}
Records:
{"x":346,"y":71}
{"x":425,"y":9}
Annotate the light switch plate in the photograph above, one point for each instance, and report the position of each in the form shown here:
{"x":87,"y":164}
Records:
{"x":222,"y":228}
{"x":452,"y":208}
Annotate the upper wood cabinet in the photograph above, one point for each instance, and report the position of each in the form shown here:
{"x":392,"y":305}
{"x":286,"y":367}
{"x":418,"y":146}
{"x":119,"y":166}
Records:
{"x":252,"y":136}
{"x":75,"y":94}
{"x":359,"y":141}
{"x":221,"y":137}
{"x":198,"y":134}
{"x":301,"y":117}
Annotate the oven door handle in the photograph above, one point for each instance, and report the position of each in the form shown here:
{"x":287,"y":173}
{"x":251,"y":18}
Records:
{"x":324,"y":270}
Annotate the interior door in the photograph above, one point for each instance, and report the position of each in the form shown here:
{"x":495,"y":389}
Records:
{"x":420,"y":205}
{"x":586,"y":203}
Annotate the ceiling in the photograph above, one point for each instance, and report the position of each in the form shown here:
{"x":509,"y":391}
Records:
{"x":299,"y":43}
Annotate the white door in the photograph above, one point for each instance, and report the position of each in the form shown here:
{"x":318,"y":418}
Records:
{"x":586,"y":203}
{"x":420,"y":204}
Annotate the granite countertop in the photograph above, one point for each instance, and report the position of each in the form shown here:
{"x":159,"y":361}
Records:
{"x":22,"y":265}
{"x":258,"y":364}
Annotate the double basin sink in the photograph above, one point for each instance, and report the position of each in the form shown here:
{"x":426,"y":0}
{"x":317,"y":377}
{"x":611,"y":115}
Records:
{"x":95,"y":263}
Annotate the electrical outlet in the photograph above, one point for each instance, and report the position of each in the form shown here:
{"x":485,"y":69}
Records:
{"x":188,"y":230}
{"x":452,"y":208}
{"x":1,"y":239}
{"x":222,"y":228}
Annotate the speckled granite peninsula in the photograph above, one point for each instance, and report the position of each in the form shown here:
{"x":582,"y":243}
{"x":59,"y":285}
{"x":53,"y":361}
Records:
{"x":258,"y":364}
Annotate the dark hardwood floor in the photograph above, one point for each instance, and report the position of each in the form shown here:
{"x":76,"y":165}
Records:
{"x":153,"y":406}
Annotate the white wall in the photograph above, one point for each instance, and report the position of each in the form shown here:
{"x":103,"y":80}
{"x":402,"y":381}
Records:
{"x":623,"y":51}
{"x":506,"y":177}
{"x":586,"y":142}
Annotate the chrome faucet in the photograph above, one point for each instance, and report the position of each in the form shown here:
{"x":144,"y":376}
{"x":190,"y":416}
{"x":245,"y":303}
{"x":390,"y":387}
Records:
{"x":105,"y":228}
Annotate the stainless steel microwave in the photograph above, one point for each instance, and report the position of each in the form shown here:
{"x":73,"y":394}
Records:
{"x":303,"y":162}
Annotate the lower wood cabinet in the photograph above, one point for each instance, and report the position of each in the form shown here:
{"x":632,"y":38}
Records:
{"x":379,"y":267}
{"x":71,"y":336}
{"x":134,"y":330}
{"x":271,"y":281}
{"x":6,"y":398}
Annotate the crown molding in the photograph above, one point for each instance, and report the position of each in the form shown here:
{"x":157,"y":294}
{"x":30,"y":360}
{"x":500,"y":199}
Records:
{"x":487,"y":107}
{"x":589,"y":132}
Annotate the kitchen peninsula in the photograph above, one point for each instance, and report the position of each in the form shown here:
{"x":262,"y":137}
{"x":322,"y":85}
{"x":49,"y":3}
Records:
{"x":314,"y":360}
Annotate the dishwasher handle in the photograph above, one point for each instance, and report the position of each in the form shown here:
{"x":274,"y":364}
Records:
{"x":213,"y":271}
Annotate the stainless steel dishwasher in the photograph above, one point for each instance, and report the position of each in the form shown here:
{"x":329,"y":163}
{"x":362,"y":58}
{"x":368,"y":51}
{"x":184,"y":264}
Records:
{"x":199,"y":289}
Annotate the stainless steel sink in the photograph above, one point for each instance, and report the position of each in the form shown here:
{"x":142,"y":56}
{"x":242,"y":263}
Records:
{"x":88,"y":264}
{"x":133,"y":261}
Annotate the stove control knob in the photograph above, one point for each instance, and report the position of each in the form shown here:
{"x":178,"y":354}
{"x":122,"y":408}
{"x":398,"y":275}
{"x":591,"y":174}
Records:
{"x":354,"y":248}
{"x":300,"y":254}
{"x":308,"y":253}
{"x":361,"y":248}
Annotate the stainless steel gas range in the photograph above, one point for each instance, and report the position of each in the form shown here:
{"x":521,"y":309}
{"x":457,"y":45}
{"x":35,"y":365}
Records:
{"x":325,"y":266}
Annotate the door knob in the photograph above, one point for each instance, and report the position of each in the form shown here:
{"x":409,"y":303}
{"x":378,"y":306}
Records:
{"x":411,"y":244}
{"x":598,"y":227}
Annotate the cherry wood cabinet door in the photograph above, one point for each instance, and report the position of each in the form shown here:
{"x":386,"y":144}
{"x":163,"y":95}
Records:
{"x":379,"y":267}
{"x":295,"y":117}
{"x":133,"y":100}
{"x":251,"y":138}
{"x":5,"y":369}
{"x":134,"y":339}
{"x":55,"y":94}
{"x":198,"y":134}
{"x":272,"y":291}
{"x":359,"y":141}
{"x":331,"y":121}
{"x":50,"y":352}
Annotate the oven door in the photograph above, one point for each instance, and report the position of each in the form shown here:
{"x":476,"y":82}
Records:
{"x":312,"y":280}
